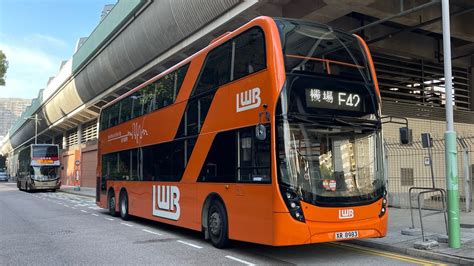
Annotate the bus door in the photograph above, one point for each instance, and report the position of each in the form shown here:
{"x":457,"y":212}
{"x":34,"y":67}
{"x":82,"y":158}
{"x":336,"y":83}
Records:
{"x":253,"y":191}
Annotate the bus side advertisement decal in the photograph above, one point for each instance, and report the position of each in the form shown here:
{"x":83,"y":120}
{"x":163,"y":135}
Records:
{"x":166,"y":202}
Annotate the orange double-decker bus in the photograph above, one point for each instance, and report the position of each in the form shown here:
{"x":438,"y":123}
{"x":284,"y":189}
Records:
{"x":271,"y":134}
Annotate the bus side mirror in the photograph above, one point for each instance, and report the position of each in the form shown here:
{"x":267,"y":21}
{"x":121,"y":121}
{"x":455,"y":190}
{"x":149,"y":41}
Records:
{"x":260,"y":132}
{"x":406,"y":135}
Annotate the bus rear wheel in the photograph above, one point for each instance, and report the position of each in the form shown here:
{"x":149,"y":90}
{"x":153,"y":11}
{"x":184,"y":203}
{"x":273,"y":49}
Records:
{"x":217,"y":225}
{"x":111,"y":202}
{"x":124,"y":206}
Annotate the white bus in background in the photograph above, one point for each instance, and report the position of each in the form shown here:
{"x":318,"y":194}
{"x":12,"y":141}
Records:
{"x":38,"y":167}
{"x":12,"y":166}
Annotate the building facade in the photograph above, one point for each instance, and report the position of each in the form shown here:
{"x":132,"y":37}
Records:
{"x":10,"y":111}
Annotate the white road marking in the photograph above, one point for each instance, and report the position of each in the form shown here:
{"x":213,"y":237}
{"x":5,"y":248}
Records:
{"x":66,"y":205}
{"x":83,"y":211}
{"x":189,"y":244}
{"x":129,"y":225}
{"x":239,"y":260}
{"x":73,"y":208}
{"x":110,"y":219}
{"x":151,"y":232}
{"x":95,"y":214}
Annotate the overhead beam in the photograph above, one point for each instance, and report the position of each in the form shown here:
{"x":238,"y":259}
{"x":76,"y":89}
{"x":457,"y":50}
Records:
{"x":401,"y":14}
{"x":417,"y":26}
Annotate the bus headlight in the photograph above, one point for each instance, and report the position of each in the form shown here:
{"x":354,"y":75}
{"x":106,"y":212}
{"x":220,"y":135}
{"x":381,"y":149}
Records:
{"x":292,"y":201}
{"x":383,"y":210}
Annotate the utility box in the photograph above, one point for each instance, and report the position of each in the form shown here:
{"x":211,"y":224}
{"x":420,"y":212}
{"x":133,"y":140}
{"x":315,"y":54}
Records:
{"x":406,"y":135}
{"x":426,"y":140}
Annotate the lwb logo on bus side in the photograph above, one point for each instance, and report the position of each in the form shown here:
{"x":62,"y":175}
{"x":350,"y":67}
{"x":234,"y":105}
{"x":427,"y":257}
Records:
{"x":166,"y":202}
{"x":249,"y":99}
{"x":346,"y":214}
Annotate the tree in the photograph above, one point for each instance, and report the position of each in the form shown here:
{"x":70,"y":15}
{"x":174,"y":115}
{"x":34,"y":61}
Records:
{"x":3,"y":67}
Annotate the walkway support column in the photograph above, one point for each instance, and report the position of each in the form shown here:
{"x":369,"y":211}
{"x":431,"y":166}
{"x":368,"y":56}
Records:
{"x":450,"y":137}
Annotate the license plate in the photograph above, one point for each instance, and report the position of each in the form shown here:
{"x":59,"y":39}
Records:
{"x":347,"y":235}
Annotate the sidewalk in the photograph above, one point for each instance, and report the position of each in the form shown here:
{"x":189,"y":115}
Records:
{"x":400,"y":219}
{"x":84,"y":191}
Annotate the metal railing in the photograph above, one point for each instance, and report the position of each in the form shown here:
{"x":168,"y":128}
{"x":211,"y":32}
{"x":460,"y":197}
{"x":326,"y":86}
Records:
{"x":410,"y":166}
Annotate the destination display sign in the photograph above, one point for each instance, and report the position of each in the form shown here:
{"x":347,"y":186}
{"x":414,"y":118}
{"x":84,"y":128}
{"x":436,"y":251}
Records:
{"x":45,"y":161}
{"x":332,"y":99}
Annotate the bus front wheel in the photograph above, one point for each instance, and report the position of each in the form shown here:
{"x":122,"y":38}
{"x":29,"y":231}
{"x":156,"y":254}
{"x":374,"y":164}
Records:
{"x":112,"y":204}
{"x":217,"y":225}
{"x":124,"y":206}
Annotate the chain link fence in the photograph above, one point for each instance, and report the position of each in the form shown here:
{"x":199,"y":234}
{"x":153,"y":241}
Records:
{"x":409,"y":166}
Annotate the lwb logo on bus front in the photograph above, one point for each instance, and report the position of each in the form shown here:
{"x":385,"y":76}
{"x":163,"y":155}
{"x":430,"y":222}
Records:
{"x":346,"y":214}
{"x":249,"y":99}
{"x":166,"y":202}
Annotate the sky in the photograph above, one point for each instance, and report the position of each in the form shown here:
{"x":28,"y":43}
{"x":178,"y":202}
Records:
{"x":36,"y":35}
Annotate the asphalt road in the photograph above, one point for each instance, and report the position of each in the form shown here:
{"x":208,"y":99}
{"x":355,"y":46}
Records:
{"x":59,"y":228}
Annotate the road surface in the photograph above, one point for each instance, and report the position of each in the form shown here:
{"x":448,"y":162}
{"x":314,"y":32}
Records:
{"x":60,"y":228}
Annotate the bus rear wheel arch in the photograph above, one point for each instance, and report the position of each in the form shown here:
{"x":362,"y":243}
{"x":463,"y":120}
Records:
{"x":123,"y":205}
{"x":112,"y":202}
{"x":215,"y":223}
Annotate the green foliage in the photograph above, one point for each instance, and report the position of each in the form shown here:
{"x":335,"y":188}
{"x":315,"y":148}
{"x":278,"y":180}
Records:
{"x":3,"y":68}
{"x":326,"y":171}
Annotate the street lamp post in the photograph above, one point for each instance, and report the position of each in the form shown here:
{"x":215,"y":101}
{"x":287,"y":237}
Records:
{"x":36,"y":126}
{"x":450,"y":137}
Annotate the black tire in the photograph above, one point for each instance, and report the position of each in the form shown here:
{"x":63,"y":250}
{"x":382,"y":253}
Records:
{"x":111,"y":202}
{"x":123,"y":206}
{"x":217,"y":225}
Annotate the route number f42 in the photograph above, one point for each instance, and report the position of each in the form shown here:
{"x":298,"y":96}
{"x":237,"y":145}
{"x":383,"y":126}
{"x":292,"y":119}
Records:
{"x":348,"y":99}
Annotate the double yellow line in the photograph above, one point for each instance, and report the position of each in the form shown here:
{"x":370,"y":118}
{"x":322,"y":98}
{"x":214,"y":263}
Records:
{"x":384,"y":254}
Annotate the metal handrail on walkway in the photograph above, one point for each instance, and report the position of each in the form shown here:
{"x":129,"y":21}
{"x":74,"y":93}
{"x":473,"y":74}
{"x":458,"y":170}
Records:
{"x":427,"y":190}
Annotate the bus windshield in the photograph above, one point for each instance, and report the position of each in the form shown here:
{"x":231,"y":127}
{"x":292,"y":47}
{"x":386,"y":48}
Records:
{"x":42,"y":173}
{"x":328,"y":118}
{"x":327,"y":164}
{"x":45,"y":151}
{"x":314,"y":48}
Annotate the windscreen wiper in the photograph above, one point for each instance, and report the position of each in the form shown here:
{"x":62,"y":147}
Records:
{"x":316,"y":119}
{"x":304,"y":120}
{"x":364,"y":123}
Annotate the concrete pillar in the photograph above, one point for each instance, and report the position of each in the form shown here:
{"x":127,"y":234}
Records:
{"x":79,"y":134}
{"x":64,"y":140}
